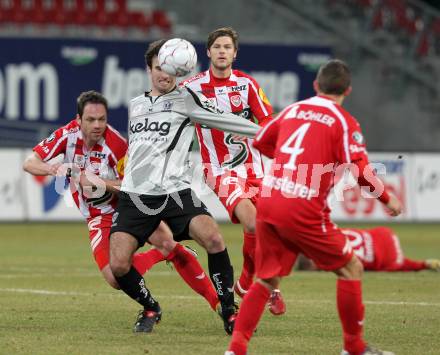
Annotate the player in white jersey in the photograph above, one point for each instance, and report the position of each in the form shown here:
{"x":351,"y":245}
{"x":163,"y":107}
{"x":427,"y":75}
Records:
{"x":94,"y":154}
{"x":157,"y":186}
{"x":233,"y":168}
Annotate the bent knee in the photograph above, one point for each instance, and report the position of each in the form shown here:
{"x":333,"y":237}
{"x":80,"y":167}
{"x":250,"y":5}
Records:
{"x":249,"y":227}
{"x":214,"y":243}
{"x":353,"y":270}
{"x":119,"y":268}
{"x":114,"y":284}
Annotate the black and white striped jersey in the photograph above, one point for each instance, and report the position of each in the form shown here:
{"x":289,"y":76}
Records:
{"x":161,"y":132}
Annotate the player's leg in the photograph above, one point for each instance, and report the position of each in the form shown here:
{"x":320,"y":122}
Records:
{"x":246,"y":213}
{"x":122,"y":248}
{"x":331,"y":251}
{"x":129,"y":231}
{"x":251,"y":310}
{"x":350,"y":306}
{"x":273,"y":259}
{"x":99,"y":234}
{"x":205,"y":231}
{"x":185,"y":263}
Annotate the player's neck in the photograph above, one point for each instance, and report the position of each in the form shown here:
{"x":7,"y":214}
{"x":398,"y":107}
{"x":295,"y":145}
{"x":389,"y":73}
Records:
{"x":339,"y":99}
{"x":221,"y":73}
{"x":89,"y":143}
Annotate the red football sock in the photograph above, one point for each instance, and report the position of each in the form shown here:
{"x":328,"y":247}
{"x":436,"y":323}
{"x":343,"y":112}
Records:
{"x":248,"y":271}
{"x":351,"y":313}
{"x":193,"y":274}
{"x":143,"y":262}
{"x":412,"y":265}
{"x":248,"y":317}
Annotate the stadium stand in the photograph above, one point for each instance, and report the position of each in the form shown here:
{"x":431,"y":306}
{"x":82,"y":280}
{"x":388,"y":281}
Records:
{"x":82,"y":13}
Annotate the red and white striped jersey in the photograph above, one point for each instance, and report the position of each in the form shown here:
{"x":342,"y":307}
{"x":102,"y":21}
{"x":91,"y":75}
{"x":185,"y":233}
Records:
{"x":105,"y":159}
{"x":241,"y":95}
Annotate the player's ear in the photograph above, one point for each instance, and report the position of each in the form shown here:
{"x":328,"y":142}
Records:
{"x":208,"y":53}
{"x":78,"y":118}
{"x":348,"y":91}
{"x":316,"y":86}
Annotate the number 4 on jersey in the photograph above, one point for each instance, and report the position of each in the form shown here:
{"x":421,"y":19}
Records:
{"x":292,"y":145}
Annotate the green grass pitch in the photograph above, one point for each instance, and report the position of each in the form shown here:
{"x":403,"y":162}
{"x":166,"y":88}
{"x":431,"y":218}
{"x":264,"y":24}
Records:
{"x":54,"y":301}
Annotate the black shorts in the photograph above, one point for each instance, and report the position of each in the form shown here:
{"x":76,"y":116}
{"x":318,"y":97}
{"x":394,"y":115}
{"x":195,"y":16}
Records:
{"x":140,"y":215}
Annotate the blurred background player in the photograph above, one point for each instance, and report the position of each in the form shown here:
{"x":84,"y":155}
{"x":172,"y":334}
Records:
{"x":232,"y":167}
{"x":308,"y":141}
{"x":157,"y":186}
{"x":379,"y":250}
{"x":94,"y":152}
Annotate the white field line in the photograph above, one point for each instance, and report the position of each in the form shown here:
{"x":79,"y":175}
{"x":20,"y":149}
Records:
{"x":87,"y":294}
{"x":77,"y":274}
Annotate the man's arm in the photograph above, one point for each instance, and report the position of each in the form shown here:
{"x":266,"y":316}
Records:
{"x":90,"y":182}
{"x":210,"y":116}
{"x":368,"y":178}
{"x":34,"y":165}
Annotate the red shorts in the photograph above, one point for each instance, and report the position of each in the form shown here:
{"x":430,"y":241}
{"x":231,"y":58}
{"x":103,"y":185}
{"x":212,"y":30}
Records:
{"x":277,"y":249}
{"x":99,"y":233}
{"x":231,"y":189}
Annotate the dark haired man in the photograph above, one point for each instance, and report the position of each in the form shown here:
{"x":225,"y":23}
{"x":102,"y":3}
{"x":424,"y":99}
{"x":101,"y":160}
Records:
{"x":232,"y":167}
{"x":157,"y":186}
{"x":311,"y":141}
{"x":94,"y":155}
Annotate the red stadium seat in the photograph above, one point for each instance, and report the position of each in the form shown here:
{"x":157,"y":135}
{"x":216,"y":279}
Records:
{"x":63,"y":12}
{"x":119,"y":16}
{"x":139,"y":20}
{"x":86,"y":13}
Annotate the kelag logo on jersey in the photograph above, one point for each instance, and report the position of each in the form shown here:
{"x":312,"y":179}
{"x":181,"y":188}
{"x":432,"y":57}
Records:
{"x":153,"y":126}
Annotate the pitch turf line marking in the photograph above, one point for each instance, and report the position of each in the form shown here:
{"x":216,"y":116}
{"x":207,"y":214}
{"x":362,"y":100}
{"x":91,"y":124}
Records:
{"x":79,"y":274}
{"x":64,"y":293}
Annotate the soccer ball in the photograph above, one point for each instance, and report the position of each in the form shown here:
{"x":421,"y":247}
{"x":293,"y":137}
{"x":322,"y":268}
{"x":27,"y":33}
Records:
{"x":177,"y":57}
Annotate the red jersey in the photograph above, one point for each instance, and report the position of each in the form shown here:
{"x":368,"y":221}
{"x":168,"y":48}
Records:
{"x":102,"y":160}
{"x":308,"y":141}
{"x":239,"y":94}
{"x":379,"y":250}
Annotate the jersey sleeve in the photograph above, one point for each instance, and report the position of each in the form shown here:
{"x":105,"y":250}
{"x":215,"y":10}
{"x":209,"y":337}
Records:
{"x":118,"y":146}
{"x":266,"y":139}
{"x":209,"y":115}
{"x":259,"y":103}
{"x":357,"y":154}
{"x":53,"y":145}
{"x":350,"y":145}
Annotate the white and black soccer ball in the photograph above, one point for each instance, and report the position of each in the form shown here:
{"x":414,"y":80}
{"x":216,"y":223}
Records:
{"x":177,"y":57}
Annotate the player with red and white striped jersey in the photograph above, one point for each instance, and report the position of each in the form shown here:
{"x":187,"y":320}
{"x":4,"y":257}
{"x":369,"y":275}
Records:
{"x":102,"y":159}
{"x":94,"y":155}
{"x":310,"y":141}
{"x":233,"y":167}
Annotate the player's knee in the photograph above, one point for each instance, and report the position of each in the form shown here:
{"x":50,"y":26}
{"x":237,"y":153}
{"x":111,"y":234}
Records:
{"x":166,"y":246}
{"x":109,"y":277}
{"x":119,"y":267}
{"x":214,"y":242}
{"x":353,"y":270}
{"x":249,"y":226}
{"x":114,"y":284}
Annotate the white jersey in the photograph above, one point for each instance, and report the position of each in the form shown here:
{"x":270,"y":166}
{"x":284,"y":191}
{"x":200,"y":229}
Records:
{"x":161,"y":133}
